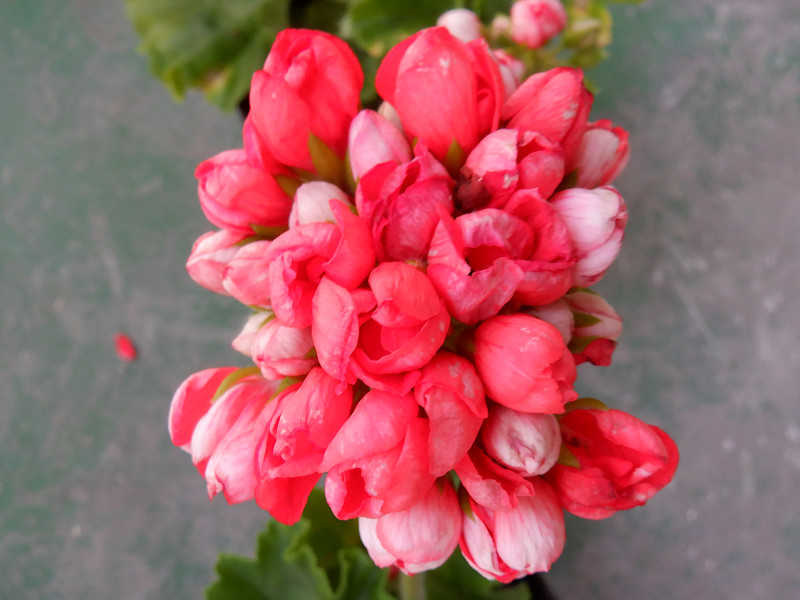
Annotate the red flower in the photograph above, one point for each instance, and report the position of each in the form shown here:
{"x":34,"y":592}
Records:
{"x":554,"y":103}
{"x":524,"y":364}
{"x":235,"y":195}
{"x":448,"y":93}
{"x":378,"y":462}
{"x":309,"y":86}
{"x":623,"y":462}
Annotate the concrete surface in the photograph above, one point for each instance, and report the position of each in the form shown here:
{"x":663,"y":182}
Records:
{"x":99,"y":213}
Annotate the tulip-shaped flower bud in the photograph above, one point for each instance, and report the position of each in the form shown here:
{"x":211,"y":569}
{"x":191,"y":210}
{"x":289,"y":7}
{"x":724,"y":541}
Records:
{"x":596,"y":327}
{"x":302,"y":101}
{"x":506,"y":545}
{"x":374,"y":140}
{"x":524,"y":364}
{"x":221,"y":432}
{"x":312,"y":203}
{"x":281,"y":351}
{"x":596,"y":222}
{"x":533,"y":22}
{"x":462,"y":23}
{"x":602,"y":155}
{"x":527,"y":443}
{"x":419,"y":538}
{"x":243,"y":342}
{"x":235,"y":195}
{"x":448,"y":93}
{"x":554,"y":103}
{"x":622,"y":462}
{"x":210,"y":256}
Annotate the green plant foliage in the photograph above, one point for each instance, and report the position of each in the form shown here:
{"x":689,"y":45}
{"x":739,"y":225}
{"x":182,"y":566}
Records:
{"x":319,"y":558}
{"x":377,"y":25}
{"x":207,"y":44}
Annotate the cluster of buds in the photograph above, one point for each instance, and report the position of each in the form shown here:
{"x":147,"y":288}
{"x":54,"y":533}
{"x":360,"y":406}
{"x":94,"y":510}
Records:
{"x":418,"y":276}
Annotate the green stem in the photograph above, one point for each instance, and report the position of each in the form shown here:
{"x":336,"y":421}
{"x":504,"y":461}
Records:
{"x":412,"y":587}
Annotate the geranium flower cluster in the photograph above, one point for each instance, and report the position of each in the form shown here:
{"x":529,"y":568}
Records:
{"x":418,"y":282}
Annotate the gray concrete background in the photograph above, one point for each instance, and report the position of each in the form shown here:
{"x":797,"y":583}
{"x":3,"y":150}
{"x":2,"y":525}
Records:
{"x":99,"y":213}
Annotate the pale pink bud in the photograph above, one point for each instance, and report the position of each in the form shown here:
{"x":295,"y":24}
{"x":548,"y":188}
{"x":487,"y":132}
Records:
{"x":596,"y":327}
{"x":419,"y":538}
{"x":244,"y":341}
{"x":312,"y":203}
{"x":507,"y":545}
{"x":210,"y":256}
{"x":596,"y":222}
{"x":500,"y":27}
{"x":602,"y":154}
{"x":247,"y":273}
{"x":462,"y":23}
{"x":373,"y":140}
{"x":281,"y":351}
{"x":511,"y":70}
{"x":388,"y":112}
{"x":533,"y":22}
{"x":593,"y":315}
{"x":558,"y":314}
{"x":527,"y":443}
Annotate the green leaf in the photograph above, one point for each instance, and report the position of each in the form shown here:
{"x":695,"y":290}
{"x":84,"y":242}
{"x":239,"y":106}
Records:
{"x":578,"y":343}
{"x":583,"y":319}
{"x":233,"y":379}
{"x":567,"y":458}
{"x":361,"y":579}
{"x":488,"y":9}
{"x":285,"y":568}
{"x":377,"y":25}
{"x":306,"y":561}
{"x":329,"y":166}
{"x":585,"y":403}
{"x":207,"y":44}
{"x":323,"y":14}
{"x":456,"y":579}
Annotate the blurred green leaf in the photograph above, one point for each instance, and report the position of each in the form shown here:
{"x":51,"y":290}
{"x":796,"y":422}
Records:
{"x":207,"y":44}
{"x":323,"y":14}
{"x":489,"y":9}
{"x":377,"y":25}
{"x":361,"y":579}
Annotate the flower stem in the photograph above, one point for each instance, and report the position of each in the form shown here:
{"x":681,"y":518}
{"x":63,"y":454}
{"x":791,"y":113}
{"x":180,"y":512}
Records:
{"x":412,"y":587}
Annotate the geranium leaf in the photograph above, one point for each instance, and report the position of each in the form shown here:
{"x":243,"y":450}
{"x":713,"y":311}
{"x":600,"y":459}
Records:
{"x":206,"y":44}
{"x":285,"y":568}
{"x":377,"y":25}
{"x":306,"y":561}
